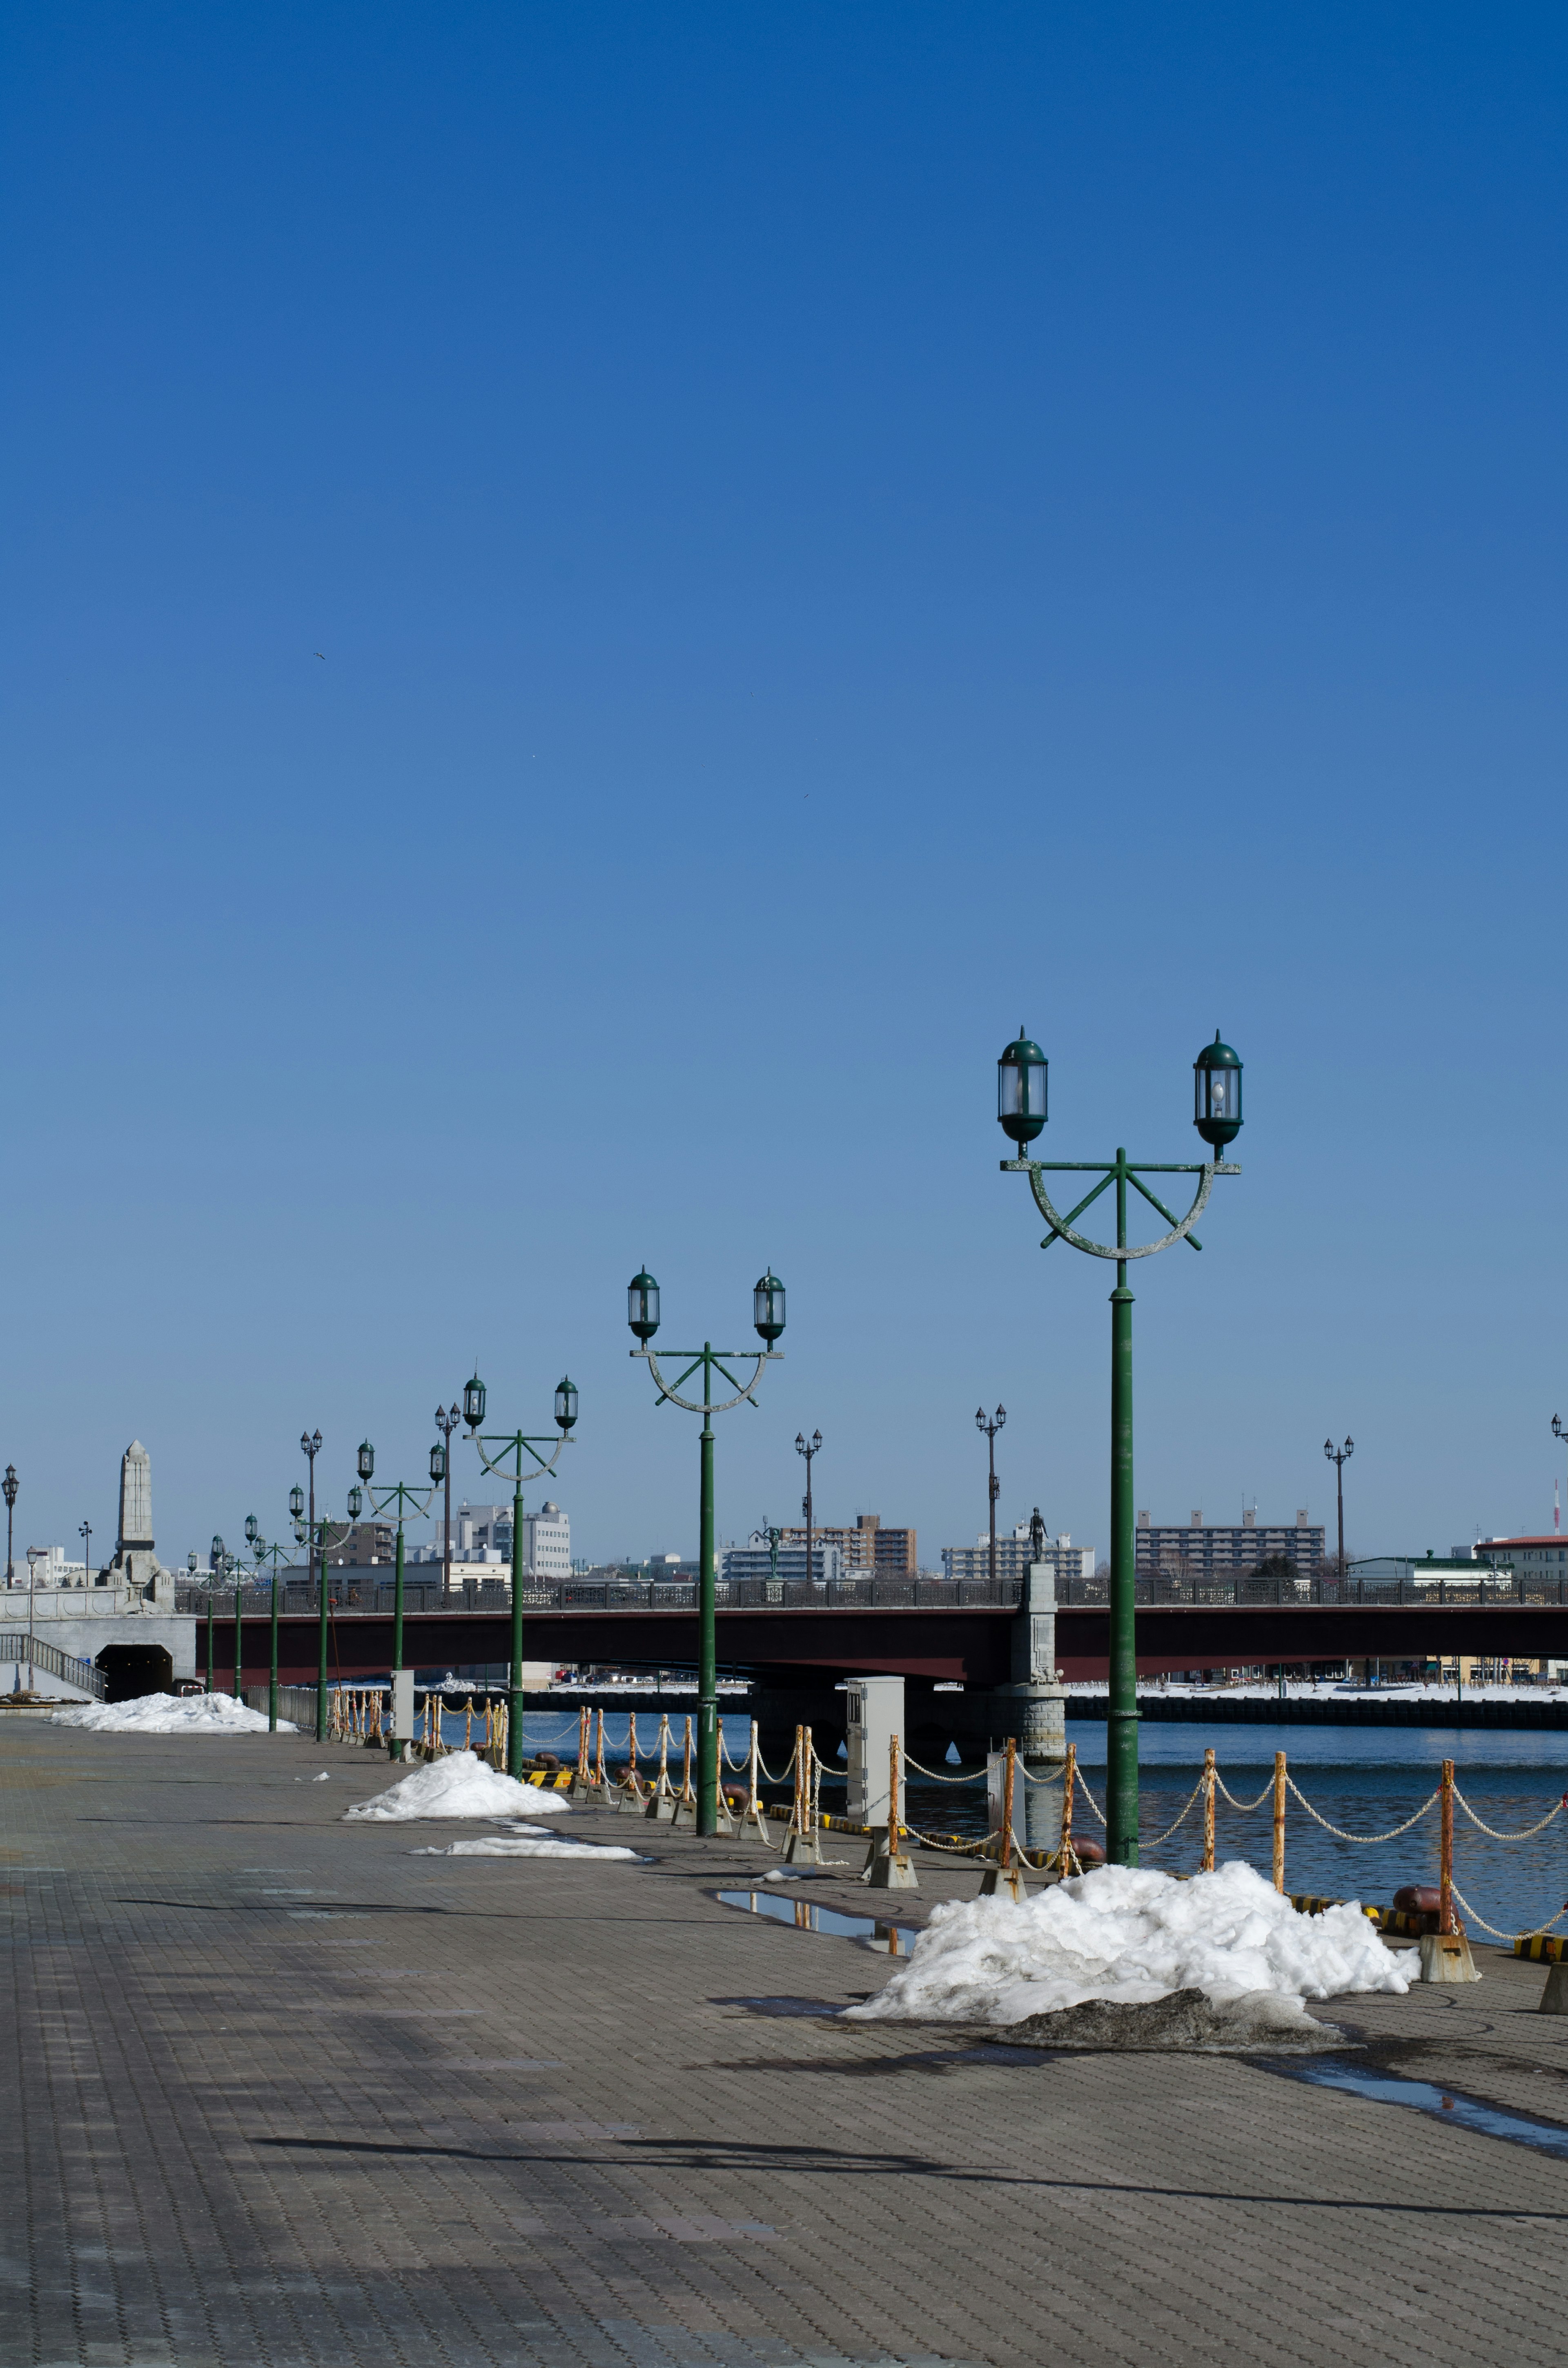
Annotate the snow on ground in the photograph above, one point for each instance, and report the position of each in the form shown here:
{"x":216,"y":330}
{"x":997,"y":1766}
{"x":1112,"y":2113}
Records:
{"x":460,"y":1784}
{"x":523,"y":1842}
{"x":1129,"y":1934}
{"x":167,"y":1715}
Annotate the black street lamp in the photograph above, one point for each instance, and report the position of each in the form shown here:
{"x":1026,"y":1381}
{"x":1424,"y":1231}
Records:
{"x":447,"y":1421}
{"x":995,"y":1486}
{"x":309,"y":1447}
{"x":1339,"y":1457}
{"x":810,"y":1448}
{"x":84,"y":1531}
{"x":10,"y":1488}
{"x":507,"y":1463}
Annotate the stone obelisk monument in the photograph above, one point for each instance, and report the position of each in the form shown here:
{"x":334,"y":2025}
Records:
{"x":135,"y":1567}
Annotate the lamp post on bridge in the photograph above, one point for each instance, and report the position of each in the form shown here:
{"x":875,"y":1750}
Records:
{"x":811,"y":1449}
{"x":10,"y":1488}
{"x":507,"y":1463}
{"x":406,"y":1497}
{"x":1021,"y":1111}
{"x":1339,"y":1457}
{"x":993,"y":1487}
{"x":767,"y":1320}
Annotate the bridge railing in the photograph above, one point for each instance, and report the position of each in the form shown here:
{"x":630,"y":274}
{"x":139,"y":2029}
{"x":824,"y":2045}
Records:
{"x":16,"y":1647}
{"x":608,"y":1592}
{"x":1239,"y":1588}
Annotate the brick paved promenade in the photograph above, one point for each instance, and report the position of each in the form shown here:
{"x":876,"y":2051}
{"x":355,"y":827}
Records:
{"x":282,"y":2092}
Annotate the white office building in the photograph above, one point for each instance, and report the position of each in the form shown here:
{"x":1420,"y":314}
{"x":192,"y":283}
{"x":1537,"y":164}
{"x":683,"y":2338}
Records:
{"x":1014,"y":1555}
{"x":482,"y":1534}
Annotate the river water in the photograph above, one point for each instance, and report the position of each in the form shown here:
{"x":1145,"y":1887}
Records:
{"x":1361,"y":1779}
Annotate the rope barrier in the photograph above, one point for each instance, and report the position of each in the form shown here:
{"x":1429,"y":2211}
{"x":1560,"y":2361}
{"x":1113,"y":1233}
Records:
{"x":937,"y":1776}
{"x":1181,"y":1820}
{"x":1087,"y":1795}
{"x":1338,"y":1831}
{"x":1527,"y":1835}
{"x":1245,"y":1807}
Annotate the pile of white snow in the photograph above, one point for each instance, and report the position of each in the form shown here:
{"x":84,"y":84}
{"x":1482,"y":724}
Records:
{"x":1130,"y":1935}
{"x":171,"y":1714}
{"x":460,"y":1784}
{"x":523,"y":1842}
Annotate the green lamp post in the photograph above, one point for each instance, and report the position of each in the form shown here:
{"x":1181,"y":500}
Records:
{"x":271,"y":1552}
{"x":767,"y":1319}
{"x":318,"y":1538}
{"x":1217,"y":1114}
{"x":507,"y":1463}
{"x":407,"y":1500}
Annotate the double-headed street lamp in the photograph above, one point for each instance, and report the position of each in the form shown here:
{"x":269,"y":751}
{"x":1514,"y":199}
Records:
{"x":447,"y":1421}
{"x":317,"y":1538}
{"x":9,"y":1484}
{"x":994,"y":1485}
{"x":217,"y":1569}
{"x":811,"y":1449}
{"x":406,"y":1499}
{"x":1339,"y":1457}
{"x":767,"y":1317}
{"x":1021,"y":1111}
{"x":274,"y":1553}
{"x":507,"y":1463}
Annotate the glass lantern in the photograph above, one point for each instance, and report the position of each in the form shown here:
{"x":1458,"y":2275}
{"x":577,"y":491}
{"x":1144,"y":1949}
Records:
{"x":767,"y":1306}
{"x":367,"y":1460}
{"x":473,"y":1402}
{"x":296,"y":1503}
{"x":1217,"y":1094}
{"x":438,"y":1461}
{"x":253,"y":1528}
{"x":643,"y":1306}
{"x":565,"y":1403}
{"x":1021,"y":1090}
{"x":356,"y":1503}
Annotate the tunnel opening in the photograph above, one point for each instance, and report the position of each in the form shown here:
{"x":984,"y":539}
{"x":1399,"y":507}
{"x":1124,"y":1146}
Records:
{"x":132,"y":1671}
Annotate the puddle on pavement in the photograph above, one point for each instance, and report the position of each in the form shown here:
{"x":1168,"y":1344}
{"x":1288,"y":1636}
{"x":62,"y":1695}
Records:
{"x":893,"y":1939}
{"x":1443,"y":2104}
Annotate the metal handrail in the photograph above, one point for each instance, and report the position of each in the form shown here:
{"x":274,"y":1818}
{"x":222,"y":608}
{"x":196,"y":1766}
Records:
{"x":18,"y":1647}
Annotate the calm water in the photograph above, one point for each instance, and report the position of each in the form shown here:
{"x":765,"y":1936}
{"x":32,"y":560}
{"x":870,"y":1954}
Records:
{"x":1364,"y":1779}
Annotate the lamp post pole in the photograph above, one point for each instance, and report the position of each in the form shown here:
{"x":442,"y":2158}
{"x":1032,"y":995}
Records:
{"x":275,"y":1554}
{"x":32,"y":1598}
{"x":507,"y":1463}
{"x":1021,"y":1111}
{"x":215,"y":1561}
{"x":810,"y":1448}
{"x":1339,"y":1457}
{"x":318,"y":1543}
{"x":446,"y":1423}
{"x":405,"y":1498}
{"x":767,"y":1319}
{"x":84,"y":1531}
{"x":309,"y":1447}
{"x":993,"y":1485}
{"x":10,"y":1487}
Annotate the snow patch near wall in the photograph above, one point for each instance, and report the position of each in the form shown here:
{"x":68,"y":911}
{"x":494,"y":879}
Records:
{"x":459,"y":1784}
{"x":169,"y":1714}
{"x":1129,"y":1934}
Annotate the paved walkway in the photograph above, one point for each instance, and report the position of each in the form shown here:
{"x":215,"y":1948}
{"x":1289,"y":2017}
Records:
{"x":284,"y":2092}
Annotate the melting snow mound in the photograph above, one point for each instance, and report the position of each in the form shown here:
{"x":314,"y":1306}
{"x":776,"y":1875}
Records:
{"x":459,"y":1784}
{"x":524,"y":1841}
{"x":1130,"y":1935}
{"x":171,"y":1714}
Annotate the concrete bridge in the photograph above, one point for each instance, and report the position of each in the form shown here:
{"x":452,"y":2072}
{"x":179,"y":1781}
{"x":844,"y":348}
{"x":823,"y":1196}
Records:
{"x":795,"y":1654}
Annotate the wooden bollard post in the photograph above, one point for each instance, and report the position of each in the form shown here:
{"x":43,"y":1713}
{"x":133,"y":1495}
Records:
{"x":1445,"y":1953}
{"x":1279,"y":1821}
{"x":1005,"y":1880}
{"x":1208,"y":1866}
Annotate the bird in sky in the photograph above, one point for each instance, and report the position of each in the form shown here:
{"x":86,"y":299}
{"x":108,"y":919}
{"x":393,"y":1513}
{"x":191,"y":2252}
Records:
{"x":321,"y":653}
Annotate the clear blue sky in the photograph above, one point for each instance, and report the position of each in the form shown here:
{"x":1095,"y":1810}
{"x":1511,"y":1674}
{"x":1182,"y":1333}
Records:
{"x":831,"y":531}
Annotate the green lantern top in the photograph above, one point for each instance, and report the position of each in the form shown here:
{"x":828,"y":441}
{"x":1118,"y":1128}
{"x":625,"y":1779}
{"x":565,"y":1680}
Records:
{"x":1021,"y":1089}
{"x":643,"y":1306}
{"x":1217,"y":1093}
{"x":767,"y":1306}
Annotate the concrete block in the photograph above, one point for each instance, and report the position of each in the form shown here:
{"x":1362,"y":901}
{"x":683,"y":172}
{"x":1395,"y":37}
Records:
{"x":1445,"y":1957}
{"x":1004,"y":1882}
{"x":1555,"y":1997}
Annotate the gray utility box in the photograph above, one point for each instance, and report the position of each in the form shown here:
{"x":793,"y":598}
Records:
{"x":402,"y":1706}
{"x":873,"y":1711}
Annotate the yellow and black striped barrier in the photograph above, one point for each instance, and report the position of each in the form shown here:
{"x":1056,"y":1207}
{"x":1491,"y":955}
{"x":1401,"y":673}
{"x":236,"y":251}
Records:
{"x":1541,"y":1947}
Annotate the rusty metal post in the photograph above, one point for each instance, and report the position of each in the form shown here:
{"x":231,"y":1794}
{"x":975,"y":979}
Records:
{"x":1208,"y":1866}
{"x":809,"y":1821}
{"x":1008,"y":1808}
{"x":1279,"y":1821}
{"x":585,"y":1720}
{"x":1066,"y":1860}
{"x":599,"y":1765}
{"x":1446,"y":1904}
